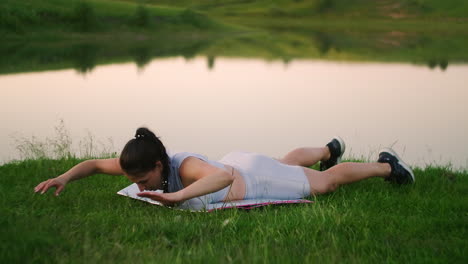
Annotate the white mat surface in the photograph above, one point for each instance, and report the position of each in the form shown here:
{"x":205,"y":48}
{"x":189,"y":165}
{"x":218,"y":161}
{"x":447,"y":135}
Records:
{"x":132,"y":190}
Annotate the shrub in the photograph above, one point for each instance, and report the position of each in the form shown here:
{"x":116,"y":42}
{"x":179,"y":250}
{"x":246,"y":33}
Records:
{"x":142,"y":16}
{"x":11,"y":23}
{"x":277,"y":11}
{"x":191,"y":17}
{"x":324,"y":5}
{"x":84,"y":17}
{"x":422,"y":5}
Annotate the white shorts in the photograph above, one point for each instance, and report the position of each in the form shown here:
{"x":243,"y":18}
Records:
{"x":266,"y":177}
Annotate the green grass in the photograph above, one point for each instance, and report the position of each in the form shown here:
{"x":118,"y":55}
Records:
{"x":367,"y":222}
{"x":62,"y":18}
{"x":109,"y":16}
{"x":308,"y":8}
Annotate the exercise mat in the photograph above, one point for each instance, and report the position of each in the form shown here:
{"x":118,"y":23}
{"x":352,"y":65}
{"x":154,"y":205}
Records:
{"x":197,"y":205}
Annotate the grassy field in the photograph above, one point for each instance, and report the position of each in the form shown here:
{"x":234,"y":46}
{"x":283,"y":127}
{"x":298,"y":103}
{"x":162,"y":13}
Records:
{"x":324,"y":8}
{"x":65,"y":18}
{"x":367,"y":222}
{"x":80,"y":19}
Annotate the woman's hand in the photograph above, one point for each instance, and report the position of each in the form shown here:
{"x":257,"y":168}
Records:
{"x":58,"y":183}
{"x":169,"y":199}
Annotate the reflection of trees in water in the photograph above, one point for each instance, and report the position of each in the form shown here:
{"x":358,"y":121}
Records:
{"x":145,"y":53}
{"x":324,"y":42}
{"x":84,"y":57}
{"x":433,"y":51}
{"x":211,"y":61}
{"x":142,"y":56}
{"x":190,"y":52}
{"x":423,"y":42}
{"x":286,"y":60}
{"x":442,"y":63}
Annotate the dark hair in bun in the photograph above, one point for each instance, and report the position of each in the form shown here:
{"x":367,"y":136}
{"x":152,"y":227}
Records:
{"x":141,"y":153}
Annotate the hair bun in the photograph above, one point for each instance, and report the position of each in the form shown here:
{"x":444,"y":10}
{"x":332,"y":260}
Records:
{"x":145,"y":133}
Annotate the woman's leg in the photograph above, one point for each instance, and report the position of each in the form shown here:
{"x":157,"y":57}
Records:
{"x":344,"y":173}
{"x":306,"y":157}
{"x":388,"y":166}
{"x":330,"y":155}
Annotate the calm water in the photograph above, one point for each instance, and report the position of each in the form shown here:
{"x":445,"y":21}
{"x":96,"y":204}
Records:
{"x":251,"y":105}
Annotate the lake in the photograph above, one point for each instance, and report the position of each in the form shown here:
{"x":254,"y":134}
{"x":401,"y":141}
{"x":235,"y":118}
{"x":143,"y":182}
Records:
{"x":212,"y":106}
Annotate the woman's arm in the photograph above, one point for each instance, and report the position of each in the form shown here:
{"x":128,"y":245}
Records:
{"x":202,"y":178}
{"x":210,"y":183}
{"x":79,"y":171}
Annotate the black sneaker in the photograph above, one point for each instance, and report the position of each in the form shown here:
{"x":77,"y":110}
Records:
{"x":337,"y":148}
{"x":401,"y":172}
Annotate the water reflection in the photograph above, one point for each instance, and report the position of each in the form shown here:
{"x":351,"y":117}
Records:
{"x":392,"y":46}
{"x":210,"y":62}
{"x":84,"y":57}
{"x":324,"y":42}
{"x":433,"y":63}
{"x":251,"y":105}
{"x":142,"y":56}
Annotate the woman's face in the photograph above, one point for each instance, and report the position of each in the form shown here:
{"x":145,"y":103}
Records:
{"x":151,"y":180}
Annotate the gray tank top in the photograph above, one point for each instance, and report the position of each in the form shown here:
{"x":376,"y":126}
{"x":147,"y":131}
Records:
{"x":175,"y":183}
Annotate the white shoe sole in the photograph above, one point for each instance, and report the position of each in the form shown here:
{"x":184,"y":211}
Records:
{"x":400,"y":161}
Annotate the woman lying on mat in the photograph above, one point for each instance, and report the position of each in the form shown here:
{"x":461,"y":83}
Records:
{"x":190,"y":177}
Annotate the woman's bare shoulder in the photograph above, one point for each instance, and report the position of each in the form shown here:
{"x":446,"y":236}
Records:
{"x":196,"y":168}
{"x":108,"y":166}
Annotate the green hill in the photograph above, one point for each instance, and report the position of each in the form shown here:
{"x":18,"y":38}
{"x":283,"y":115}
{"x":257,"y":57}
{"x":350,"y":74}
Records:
{"x":308,"y":8}
{"x":66,"y":16}
{"x":30,"y":16}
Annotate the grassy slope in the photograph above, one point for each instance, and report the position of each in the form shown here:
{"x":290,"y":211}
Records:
{"x":349,"y":8}
{"x":116,"y":16}
{"x":367,"y":222}
{"x":66,"y":19}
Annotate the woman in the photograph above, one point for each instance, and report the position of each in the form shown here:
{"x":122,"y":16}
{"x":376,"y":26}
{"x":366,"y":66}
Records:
{"x":192,"y":178}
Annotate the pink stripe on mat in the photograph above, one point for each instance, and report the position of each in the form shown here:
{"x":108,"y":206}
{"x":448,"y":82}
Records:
{"x":256,"y":205}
